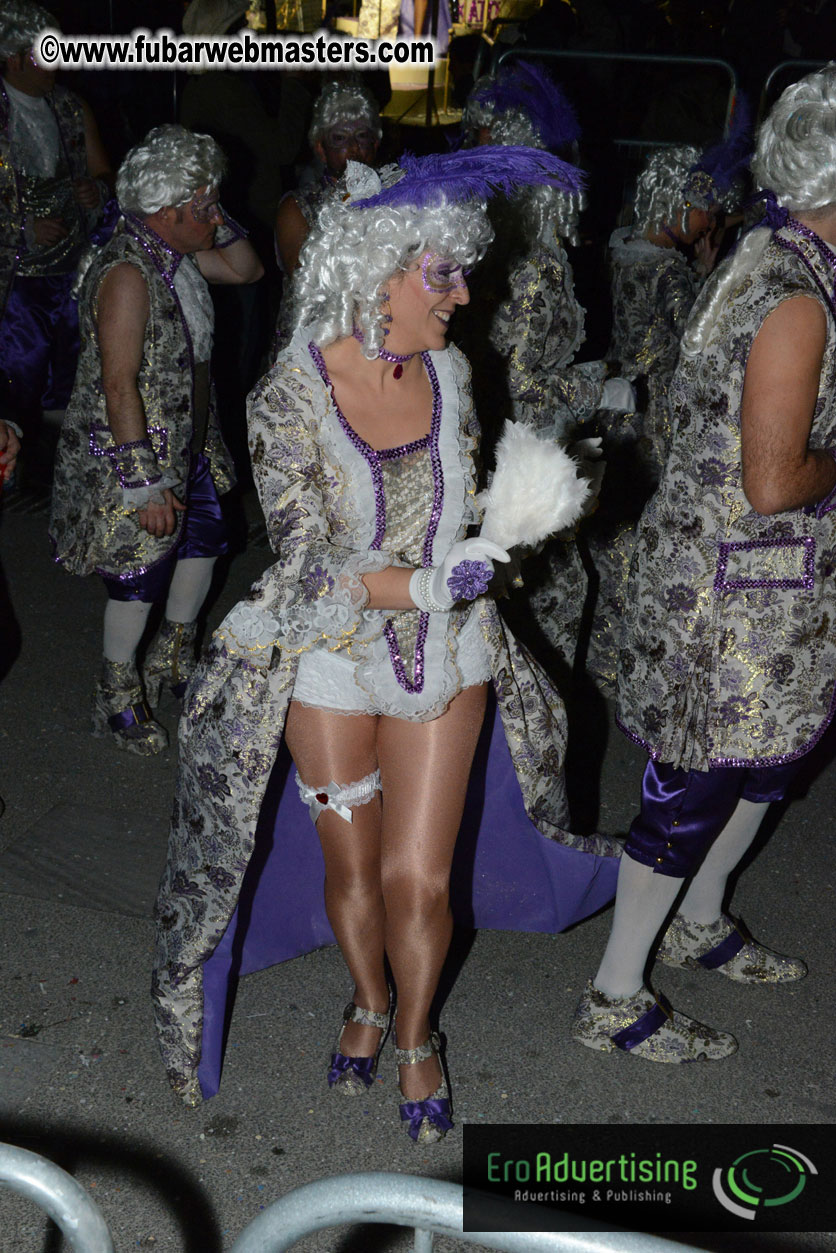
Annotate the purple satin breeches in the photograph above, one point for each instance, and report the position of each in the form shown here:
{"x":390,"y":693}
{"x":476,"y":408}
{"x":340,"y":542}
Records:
{"x":683,"y":811}
{"x":38,"y":345}
{"x":204,"y":535}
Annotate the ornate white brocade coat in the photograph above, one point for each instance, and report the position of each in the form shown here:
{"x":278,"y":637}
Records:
{"x":524,"y":357}
{"x":323,"y":514}
{"x":729,"y":652}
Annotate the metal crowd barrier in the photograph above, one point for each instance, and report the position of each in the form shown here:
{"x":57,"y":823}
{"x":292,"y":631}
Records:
{"x":625,"y":58}
{"x":59,"y":1195}
{"x":798,"y":68}
{"x":430,"y":1207}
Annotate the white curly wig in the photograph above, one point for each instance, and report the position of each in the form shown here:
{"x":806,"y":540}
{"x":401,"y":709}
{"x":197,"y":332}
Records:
{"x":167,"y":168}
{"x":20,"y":24}
{"x":660,"y":189}
{"x":543,"y":209}
{"x":343,"y":102}
{"x":796,"y":150}
{"x":352,"y":254}
{"x":796,"y":159}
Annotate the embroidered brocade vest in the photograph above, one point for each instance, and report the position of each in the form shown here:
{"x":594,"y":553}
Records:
{"x":20,"y":194}
{"x":90,"y":530}
{"x":730,"y":649}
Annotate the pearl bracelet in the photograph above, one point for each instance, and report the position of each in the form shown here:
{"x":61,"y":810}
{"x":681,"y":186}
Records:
{"x":419,"y":590}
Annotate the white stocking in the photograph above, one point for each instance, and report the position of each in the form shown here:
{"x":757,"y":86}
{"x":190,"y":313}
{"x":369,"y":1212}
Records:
{"x":124,"y":623}
{"x":189,"y":588}
{"x":642,"y":903}
{"x":703,"y":902}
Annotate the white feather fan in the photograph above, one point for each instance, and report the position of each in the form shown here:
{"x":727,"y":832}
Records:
{"x":535,"y":490}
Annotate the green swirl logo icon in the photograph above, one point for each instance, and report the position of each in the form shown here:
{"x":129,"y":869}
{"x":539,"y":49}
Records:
{"x":762,"y":1178}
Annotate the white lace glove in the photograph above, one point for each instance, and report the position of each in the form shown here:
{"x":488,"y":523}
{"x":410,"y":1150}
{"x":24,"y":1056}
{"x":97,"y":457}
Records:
{"x":464,"y":574}
{"x":618,"y":394}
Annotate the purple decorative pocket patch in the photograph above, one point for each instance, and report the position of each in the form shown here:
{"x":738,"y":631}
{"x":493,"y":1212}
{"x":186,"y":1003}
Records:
{"x":749,"y":565}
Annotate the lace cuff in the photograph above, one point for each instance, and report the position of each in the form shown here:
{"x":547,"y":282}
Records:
{"x":136,"y":498}
{"x":250,"y":629}
{"x":330,"y":597}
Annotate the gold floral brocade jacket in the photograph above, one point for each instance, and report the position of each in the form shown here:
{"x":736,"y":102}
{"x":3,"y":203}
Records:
{"x":729,"y":650}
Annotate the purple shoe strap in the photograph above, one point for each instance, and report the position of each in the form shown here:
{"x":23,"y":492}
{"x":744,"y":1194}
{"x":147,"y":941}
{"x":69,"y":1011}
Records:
{"x":437,"y":1109}
{"x":644,"y":1026}
{"x":132,"y":716}
{"x":724,"y":951}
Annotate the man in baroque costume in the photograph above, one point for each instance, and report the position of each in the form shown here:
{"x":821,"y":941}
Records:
{"x":727,"y":669}
{"x":55,"y":179}
{"x":141,"y":462}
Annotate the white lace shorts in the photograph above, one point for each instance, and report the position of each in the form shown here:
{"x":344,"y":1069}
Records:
{"x":327,"y":680}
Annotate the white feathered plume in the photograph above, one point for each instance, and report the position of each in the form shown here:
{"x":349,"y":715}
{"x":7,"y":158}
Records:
{"x":535,"y":490}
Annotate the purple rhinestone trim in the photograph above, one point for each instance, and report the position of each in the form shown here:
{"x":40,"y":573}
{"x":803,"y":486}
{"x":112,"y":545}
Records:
{"x":403,"y":450}
{"x":806,"y":582}
{"x":373,"y":458}
{"x":130,"y":484}
{"x":115,"y":448}
{"x":397,"y":358}
{"x":96,"y":449}
{"x":825,"y":253}
{"x":416,"y":685}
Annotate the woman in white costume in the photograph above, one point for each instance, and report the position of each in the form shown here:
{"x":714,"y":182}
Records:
{"x":373,"y":638}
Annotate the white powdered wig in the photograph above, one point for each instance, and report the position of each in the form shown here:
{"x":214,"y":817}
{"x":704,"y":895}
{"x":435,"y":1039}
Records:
{"x":351,"y":255}
{"x":796,"y":150}
{"x":343,"y":102}
{"x":167,"y":168}
{"x":796,"y":159}
{"x":535,"y":491}
{"x":20,"y":24}
{"x":660,"y":189}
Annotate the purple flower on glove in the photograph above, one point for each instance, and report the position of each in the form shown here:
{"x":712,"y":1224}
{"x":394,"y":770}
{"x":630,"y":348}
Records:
{"x":469,"y":579}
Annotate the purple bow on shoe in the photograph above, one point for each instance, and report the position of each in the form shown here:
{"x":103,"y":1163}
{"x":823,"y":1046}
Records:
{"x":436,"y":1109}
{"x":469,"y":579}
{"x":362,"y":1067}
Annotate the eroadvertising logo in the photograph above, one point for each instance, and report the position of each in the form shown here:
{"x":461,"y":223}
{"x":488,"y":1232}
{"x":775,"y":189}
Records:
{"x":762,"y":1177}
{"x":657,"y":1177}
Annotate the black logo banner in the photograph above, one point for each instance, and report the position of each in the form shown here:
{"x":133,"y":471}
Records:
{"x":654,"y":1178}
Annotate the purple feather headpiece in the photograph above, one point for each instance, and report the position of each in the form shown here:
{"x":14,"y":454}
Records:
{"x":711,"y":179}
{"x":472,"y":174}
{"x":525,"y":87}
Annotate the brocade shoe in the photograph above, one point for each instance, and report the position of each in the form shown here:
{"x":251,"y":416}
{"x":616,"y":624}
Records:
{"x":170,"y":660}
{"x":121,"y":711}
{"x":352,"y":1076}
{"x":727,"y":947}
{"x":646,"y":1026}
{"x":428,"y":1120}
